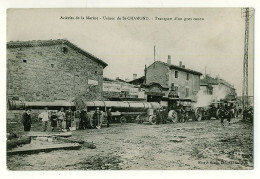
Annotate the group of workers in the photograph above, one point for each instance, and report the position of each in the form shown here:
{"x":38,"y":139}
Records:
{"x":62,"y":120}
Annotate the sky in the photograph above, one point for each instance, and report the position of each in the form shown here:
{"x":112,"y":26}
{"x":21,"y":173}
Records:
{"x":215,"y":43}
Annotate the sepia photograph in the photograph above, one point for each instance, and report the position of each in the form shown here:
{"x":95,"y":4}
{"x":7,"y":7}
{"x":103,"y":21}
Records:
{"x":130,"y":89}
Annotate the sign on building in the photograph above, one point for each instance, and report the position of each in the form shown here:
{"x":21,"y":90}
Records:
{"x":92,"y":82}
{"x":113,"y":87}
{"x":141,"y":94}
{"x":133,"y":91}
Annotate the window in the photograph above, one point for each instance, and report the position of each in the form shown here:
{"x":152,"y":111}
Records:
{"x":25,"y":61}
{"x":176,"y":74}
{"x":188,"y":76}
{"x":52,"y":65}
{"x":64,"y":50}
{"x":187,"y":92}
{"x":172,"y":86}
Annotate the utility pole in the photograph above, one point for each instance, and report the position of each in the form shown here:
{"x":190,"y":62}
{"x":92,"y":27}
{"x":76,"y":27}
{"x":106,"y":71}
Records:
{"x":245,"y":64}
{"x":205,"y":71}
{"x":153,"y":56}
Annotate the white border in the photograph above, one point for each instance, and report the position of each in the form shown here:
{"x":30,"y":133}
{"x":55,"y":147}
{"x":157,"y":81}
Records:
{"x":4,"y":4}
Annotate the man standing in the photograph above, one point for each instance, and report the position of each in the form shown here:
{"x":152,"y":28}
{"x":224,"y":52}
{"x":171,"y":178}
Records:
{"x":77,"y":119}
{"x":61,"y":119}
{"x":164,"y":115}
{"x":109,"y":117}
{"x":68,"y":115}
{"x":54,"y":120}
{"x":96,"y":118}
{"x":182,"y":114}
{"x":26,"y":120}
{"x":44,"y":116}
{"x":83,"y":120}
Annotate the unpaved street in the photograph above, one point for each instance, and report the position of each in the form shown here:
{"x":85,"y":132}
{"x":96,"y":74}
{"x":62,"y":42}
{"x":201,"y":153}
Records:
{"x":190,"y":145}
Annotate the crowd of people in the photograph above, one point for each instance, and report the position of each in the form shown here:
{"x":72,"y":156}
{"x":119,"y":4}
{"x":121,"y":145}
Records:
{"x":62,"y":120}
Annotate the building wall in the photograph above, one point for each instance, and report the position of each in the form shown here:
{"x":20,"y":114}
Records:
{"x":157,"y":73}
{"x":193,"y":84}
{"x":50,"y":74}
{"x":160,"y":73}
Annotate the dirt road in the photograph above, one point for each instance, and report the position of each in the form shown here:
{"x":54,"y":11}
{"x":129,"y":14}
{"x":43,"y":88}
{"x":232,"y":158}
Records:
{"x":190,"y":145}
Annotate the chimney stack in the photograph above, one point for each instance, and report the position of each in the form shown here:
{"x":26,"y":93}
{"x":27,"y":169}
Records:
{"x":180,"y":64}
{"x":134,"y":76}
{"x":169,"y":60}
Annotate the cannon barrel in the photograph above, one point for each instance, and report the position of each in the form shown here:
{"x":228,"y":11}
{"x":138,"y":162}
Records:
{"x":20,"y":105}
{"x":123,"y":104}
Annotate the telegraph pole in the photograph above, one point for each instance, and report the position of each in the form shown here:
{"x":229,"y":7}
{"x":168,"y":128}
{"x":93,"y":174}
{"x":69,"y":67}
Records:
{"x":153,"y":56}
{"x":245,"y":64}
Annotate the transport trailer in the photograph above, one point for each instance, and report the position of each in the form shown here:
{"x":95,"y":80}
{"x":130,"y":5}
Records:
{"x":125,"y":111}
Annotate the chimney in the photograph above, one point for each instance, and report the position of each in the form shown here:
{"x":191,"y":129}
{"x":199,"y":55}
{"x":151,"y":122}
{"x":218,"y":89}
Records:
{"x":117,"y":78}
{"x":180,"y":64}
{"x":169,"y":60}
{"x":134,"y":76}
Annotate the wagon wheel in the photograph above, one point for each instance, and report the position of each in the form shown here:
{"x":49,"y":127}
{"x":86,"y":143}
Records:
{"x":123,"y":119}
{"x":152,"y":120}
{"x":173,"y":116}
{"x":198,"y":114}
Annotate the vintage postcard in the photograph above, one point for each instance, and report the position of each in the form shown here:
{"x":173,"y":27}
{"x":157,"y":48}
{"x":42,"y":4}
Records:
{"x":130,"y":89}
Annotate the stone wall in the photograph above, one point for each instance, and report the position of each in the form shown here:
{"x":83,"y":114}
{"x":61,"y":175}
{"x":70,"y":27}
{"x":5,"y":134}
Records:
{"x":46,"y":73}
{"x":157,"y":73}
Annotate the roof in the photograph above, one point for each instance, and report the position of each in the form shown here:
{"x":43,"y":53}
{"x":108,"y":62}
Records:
{"x":214,"y":81}
{"x":39,"y":43}
{"x":178,"y":68}
{"x":156,"y":84}
{"x":202,"y":83}
{"x":137,"y":81}
{"x":211,"y":81}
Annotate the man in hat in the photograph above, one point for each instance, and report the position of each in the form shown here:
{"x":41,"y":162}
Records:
{"x":54,"y":120}
{"x":27,"y":120}
{"x":61,"y":119}
{"x":69,"y":116}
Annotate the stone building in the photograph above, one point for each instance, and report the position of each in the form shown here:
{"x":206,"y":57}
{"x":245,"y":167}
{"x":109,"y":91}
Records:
{"x":49,"y":70}
{"x":175,"y":81}
{"x":220,"y":89}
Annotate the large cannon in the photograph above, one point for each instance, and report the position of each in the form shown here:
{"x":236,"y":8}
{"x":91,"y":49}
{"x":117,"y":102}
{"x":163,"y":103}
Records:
{"x":52,"y":105}
{"x":125,"y":111}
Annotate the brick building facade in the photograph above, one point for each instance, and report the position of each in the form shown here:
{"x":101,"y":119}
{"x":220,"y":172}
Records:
{"x":49,"y":70}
